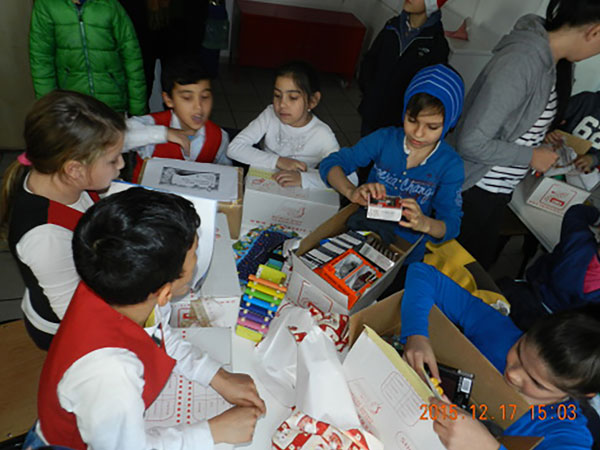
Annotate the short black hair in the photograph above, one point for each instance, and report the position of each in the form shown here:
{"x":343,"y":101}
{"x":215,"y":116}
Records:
{"x":423,"y":102}
{"x":182,"y":69}
{"x":568,"y":342}
{"x":304,"y":75}
{"x":131,"y":243}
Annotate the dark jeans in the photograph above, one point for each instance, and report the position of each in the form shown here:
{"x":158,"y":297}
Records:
{"x":483,"y":213}
{"x":525,"y":305}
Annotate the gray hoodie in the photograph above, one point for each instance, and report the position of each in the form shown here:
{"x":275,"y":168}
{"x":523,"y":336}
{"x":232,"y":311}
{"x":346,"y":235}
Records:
{"x":508,"y":97}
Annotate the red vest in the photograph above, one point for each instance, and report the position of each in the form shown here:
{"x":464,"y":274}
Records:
{"x":91,"y":324}
{"x":171,"y":150}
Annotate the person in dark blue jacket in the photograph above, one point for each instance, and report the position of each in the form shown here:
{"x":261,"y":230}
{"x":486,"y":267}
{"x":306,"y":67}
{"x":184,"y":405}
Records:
{"x":554,"y":365}
{"x":413,"y":163}
{"x":412,"y":40}
{"x":566,"y":278}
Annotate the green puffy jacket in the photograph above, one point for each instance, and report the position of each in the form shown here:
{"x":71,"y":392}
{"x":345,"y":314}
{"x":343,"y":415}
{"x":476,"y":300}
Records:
{"x":91,"y":48}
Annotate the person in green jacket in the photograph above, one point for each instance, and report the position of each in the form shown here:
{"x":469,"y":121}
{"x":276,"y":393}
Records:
{"x":88,"y":46}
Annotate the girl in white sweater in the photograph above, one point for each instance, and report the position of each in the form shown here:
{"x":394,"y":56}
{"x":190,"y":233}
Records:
{"x":295,"y":140}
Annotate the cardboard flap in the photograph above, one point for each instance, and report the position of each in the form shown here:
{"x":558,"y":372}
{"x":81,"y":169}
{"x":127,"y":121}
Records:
{"x":580,"y":145}
{"x":452,"y":348}
{"x":520,"y":442}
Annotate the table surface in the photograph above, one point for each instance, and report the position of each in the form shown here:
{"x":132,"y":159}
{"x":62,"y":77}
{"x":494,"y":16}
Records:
{"x":298,"y":13}
{"x":545,"y":226}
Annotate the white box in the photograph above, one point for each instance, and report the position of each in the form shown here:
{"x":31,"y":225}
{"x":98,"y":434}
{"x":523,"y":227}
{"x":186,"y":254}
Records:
{"x":552,"y":195}
{"x":389,"y":208}
{"x":221,"y":183}
{"x":306,"y":286}
{"x":301,"y":210}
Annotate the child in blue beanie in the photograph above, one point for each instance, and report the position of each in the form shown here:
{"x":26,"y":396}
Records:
{"x":413,"y":163}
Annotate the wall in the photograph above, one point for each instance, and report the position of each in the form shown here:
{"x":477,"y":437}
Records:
{"x":16,"y":90}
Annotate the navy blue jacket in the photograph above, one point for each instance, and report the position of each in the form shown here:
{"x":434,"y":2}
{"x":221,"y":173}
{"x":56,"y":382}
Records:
{"x":557,"y":277}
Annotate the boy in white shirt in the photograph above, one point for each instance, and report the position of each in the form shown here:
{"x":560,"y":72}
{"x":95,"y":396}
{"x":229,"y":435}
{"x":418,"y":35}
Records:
{"x":114,"y":351}
{"x":183,"y":131}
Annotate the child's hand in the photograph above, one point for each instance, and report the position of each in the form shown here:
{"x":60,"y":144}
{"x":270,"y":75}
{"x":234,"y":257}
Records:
{"x":417,"y":353}
{"x":543,"y":158}
{"x":360,"y":194}
{"x":180,"y":138}
{"x":234,"y":426}
{"x":584,"y":163}
{"x":288,"y":178}
{"x":413,"y":217}
{"x":238,"y":389}
{"x":284,"y":163}
{"x":458,"y":430}
{"x":555,"y":138}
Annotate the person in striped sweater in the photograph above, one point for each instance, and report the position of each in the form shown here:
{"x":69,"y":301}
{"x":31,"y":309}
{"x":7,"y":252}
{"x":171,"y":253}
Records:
{"x":517,"y":98}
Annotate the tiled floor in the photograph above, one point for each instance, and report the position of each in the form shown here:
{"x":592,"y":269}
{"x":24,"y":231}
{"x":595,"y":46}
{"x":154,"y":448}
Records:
{"x":239,"y":96}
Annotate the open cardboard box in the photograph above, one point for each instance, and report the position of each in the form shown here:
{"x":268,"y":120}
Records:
{"x":452,"y":348}
{"x":231,"y":209}
{"x":306,"y":286}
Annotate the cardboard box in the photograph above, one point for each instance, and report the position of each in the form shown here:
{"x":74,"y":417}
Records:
{"x":451,"y":348}
{"x":580,"y":145}
{"x":306,"y":286}
{"x":232,"y":209}
{"x":552,"y":195}
{"x":301,"y":210}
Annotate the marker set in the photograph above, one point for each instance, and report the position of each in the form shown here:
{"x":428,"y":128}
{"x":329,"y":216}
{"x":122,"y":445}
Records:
{"x":262,"y":296}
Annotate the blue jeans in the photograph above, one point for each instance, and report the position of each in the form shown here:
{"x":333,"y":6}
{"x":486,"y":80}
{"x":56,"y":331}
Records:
{"x":33,"y":440}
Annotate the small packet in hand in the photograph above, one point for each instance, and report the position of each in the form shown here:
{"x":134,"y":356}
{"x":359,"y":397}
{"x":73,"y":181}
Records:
{"x":388,"y":208}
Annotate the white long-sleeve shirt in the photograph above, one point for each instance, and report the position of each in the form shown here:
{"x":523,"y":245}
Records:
{"x":309,"y":144}
{"x":143,"y":134}
{"x":104,"y":391}
{"x":46,"y":250}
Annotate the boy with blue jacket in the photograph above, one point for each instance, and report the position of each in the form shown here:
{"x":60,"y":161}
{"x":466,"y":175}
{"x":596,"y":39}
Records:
{"x":413,"y":163}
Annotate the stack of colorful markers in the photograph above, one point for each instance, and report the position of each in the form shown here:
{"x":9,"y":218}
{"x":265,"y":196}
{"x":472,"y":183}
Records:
{"x":260,"y":301}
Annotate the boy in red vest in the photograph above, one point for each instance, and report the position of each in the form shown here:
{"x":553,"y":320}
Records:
{"x":114,"y":350}
{"x":184,"y":131}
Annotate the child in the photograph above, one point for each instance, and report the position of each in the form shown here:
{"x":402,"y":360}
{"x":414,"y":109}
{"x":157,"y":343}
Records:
{"x":554,"y":365}
{"x":408,"y":43}
{"x":114,"y":351}
{"x":88,"y":46}
{"x":184,"y":131}
{"x":295,"y":140}
{"x":582,"y":119}
{"x":516,"y":99}
{"x":413,"y":163}
{"x":73,"y":144}
{"x":566,"y":278}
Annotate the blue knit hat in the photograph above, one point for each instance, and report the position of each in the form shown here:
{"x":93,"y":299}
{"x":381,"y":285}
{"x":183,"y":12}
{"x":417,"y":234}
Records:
{"x":442,"y":83}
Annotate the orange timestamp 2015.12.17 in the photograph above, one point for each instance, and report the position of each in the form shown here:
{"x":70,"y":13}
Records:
{"x":508,"y":411}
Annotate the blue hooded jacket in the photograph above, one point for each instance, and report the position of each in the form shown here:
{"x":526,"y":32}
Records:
{"x":436,"y":183}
